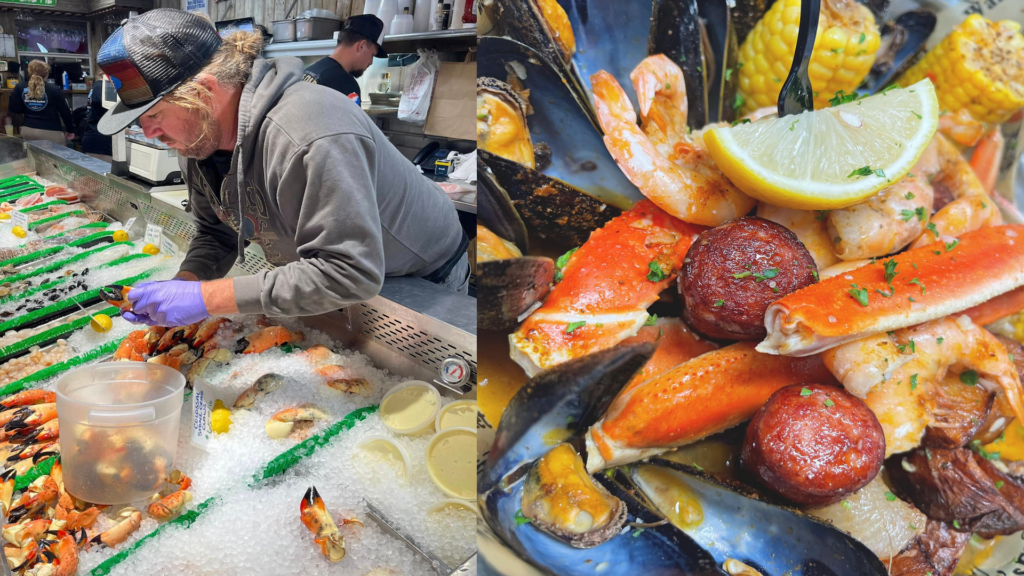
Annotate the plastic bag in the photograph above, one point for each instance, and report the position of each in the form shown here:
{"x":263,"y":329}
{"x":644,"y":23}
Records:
{"x":415,"y":101}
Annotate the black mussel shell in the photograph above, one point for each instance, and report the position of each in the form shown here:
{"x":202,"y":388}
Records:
{"x":496,"y":212}
{"x":903,"y":39}
{"x":676,"y":31}
{"x":508,"y":288}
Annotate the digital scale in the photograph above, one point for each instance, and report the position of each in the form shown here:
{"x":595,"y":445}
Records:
{"x":136,"y":156}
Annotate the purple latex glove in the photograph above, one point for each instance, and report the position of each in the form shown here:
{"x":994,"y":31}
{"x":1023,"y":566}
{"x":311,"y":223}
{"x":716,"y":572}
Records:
{"x":169,"y":303}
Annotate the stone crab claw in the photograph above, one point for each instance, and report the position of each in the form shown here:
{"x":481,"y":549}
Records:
{"x":116,"y":295}
{"x":317,"y":519}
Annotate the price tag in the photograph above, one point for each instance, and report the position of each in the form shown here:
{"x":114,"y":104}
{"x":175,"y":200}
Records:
{"x":167,"y":247}
{"x":19,"y":218}
{"x":153,"y":233}
{"x":128,"y":224}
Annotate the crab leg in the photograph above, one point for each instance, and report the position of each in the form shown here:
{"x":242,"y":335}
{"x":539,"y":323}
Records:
{"x":676,"y":344}
{"x":606,"y":288}
{"x":929,"y":282}
{"x":131,"y":519}
{"x":207,"y":330}
{"x":31,"y":416}
{"x":29,"y":397}
{"x":998,"y":307}
{"x":708,"y":394}
{"x":267,"y":338}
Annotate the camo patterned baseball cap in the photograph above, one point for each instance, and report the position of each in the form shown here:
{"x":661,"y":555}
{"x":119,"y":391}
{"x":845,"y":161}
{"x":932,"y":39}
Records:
{"x":150,"y":55}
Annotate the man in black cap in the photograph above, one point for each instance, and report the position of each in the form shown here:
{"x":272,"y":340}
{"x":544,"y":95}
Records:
{"x":297,"y":168}
{"x":358,"y":44}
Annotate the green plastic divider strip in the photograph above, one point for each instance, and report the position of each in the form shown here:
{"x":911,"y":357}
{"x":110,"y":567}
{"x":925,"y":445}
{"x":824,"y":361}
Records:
{"x":62,"y":279}
{"x":61,"y":263}
{"x":71,"y":302}
{"x":38,"y":254}
{"x":83,"y":226}
{"x":11,"y":198}
{"x":44,"y":467}
{"x":54,"y":218}
{"x":91,"y":237}
{"x":185,"y":520}
{"x":43,"y":206}
{"x":55,"y":332}
{"x":51,"y":371}
{"x":17,"y":178}
{"x":275,"y":467}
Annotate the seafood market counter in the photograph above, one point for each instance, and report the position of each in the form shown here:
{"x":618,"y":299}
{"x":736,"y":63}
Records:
{"x":342,"y":443}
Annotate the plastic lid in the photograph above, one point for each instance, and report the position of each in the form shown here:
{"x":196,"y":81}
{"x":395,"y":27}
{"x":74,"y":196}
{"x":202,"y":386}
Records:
{"x":385,"y":447}
{"x":451,"y":462}
{"x":458,"y":414}
{"x":452,"y":503}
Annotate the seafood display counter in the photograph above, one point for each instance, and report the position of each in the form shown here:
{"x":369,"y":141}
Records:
{"x":338,"y":444}
{"x":751,"y":291}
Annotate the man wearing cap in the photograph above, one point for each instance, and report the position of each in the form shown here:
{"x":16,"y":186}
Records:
{"x":358,"y":44}
{"x":295,"y":167}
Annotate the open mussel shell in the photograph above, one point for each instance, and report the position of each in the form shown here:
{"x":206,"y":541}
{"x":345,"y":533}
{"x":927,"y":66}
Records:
{"x":563,"y":400}
{"x":497,"y":214}
{"x":724,"y":517}
{"x":658,"y":550}
{"x":720,"y":52}
{"x":677,"y":32}
{"x":510,"y":287}
{"x":903,"y":39}
{"x":559,"y":121}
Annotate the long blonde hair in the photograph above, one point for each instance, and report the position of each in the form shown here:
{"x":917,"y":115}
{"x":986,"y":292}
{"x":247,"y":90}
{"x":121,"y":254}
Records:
{"x":231,"y":65}
{"x":37,"y":71}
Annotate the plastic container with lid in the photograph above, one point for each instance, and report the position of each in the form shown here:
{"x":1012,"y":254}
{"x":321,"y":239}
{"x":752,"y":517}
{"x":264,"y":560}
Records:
{"x":119,"y":429}
{"x":410,"y":408}
{"x":451,"y":462}
{"x":458,"y":414}
{"x":384,"y":447}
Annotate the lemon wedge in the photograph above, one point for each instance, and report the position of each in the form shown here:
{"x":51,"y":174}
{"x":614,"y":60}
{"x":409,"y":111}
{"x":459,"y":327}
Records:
{"x":120,"y":236}
{"x":101,"y":323}
{"x":829,"y":158}
{"x":150,"y":249}
{"x":5,"y":216}
{"x":19,"y":232}
{"x":220,"y":418}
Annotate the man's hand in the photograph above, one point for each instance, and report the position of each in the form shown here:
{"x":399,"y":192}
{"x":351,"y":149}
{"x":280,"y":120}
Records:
{"x":170,"y":303}
{"x":185,"y":275}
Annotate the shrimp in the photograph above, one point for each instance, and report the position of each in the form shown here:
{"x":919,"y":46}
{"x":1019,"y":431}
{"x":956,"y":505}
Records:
{"x":987,"y":157}
{"x":863,"y":364}
{"x":884,"y":223}
{"x":961,"y":127}
{"x":810,"y":228}
{"x":680,"y":177}
{"x":959,"y":216}
{"x":661,"y":90}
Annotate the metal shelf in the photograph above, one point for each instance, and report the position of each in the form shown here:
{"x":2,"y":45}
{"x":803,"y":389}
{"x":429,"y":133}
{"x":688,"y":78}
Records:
{"x":402,"y":43}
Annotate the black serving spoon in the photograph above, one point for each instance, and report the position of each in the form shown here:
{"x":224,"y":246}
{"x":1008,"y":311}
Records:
{"x":797,"y":95}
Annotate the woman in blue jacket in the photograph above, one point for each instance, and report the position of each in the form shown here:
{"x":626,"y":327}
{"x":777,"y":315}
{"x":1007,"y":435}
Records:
{"x":39,"y":108}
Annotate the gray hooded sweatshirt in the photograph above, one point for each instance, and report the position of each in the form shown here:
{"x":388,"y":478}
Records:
{"x":334,"y":205}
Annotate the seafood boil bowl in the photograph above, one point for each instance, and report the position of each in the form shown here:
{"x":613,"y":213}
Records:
{"x":120,"y":429}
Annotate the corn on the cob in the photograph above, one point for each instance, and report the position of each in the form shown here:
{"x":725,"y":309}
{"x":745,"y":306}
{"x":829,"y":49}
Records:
{"x":844,"y":51}
{"x":979,"y":67}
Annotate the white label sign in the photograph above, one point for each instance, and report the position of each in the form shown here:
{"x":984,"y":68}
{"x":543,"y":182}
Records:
{"x":167,"y":247}
{"x":19,"y":218}
{"x":202,"y":408}
{"x":128,"y":224}
{"x":202,"y":6}
{"x":153,"y":233}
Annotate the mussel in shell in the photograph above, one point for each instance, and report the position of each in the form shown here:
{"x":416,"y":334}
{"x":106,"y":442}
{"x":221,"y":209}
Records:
{"x":501,"y":122}
{"x":560,"y":498}
{"x":903,"y":39}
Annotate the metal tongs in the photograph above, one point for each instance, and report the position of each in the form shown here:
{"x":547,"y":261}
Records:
{"x":467,"y":569}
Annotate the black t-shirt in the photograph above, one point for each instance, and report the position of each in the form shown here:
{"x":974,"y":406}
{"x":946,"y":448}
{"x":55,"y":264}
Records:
{"x":328,"y":72}
{"x":216,"y":167}
{"x":44,"y":113}
{"x":92,"y":141}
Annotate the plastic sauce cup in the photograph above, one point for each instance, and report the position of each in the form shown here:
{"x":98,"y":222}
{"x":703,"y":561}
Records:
{"x":410,"y":408}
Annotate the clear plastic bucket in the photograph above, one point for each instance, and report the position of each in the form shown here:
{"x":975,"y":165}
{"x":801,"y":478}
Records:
{"x":118,"y":429}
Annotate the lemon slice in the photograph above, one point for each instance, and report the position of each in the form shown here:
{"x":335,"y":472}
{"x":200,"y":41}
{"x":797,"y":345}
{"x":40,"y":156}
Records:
{"x":829,"y":158}
{"x":19,"y":232}
{"x":150,"y":249}
{"x":5,"y":216}
{"x":120,"y":236}
{"x":101,"y":323}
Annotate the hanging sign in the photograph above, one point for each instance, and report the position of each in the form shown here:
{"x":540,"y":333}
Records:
{"x":201,"y":6}
{"x":31,"y":2}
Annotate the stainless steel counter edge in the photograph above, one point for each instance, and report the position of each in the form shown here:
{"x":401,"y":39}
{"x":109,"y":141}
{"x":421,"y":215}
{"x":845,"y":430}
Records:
{"x":404,"y":307}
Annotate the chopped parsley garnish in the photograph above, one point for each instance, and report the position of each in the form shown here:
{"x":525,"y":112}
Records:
{"x":737,"y":102}
{"x":906,"y":215}
{"x":638,"y":532}
{"x":728,"y":74}
{"x":887,"y":294}
{"x":956,"y":524}
{"x":719,"y":303}
{"x":574,"y":325}
{"x":651,"y":320}
{"x":914,"y":265}
{"x":977,"y":447}
{"x":863,"y":171}
{"x":890,"y":270}
{"x":888,"y":88}
{"x":569,"y":419}
{"x":481,"y":116}
{"x":859,"y":52}
{"x":939,"y":340}
{"x":916,"y":114}
{"x":846,"y":504}
{"x":837,"y":50}
{"x":983,"y":205}
{"x":739,"y":275}
{"x":656,"y":274}
{"x":913,"y":381}
{"x":918,"y":282}
{"x":911,"y":298}
{"x":999,"y":484}
{"x":793,"y":124}
{"x":863,"y":37}
{"x":912,"y":527}
{"x":969,"y":377}
{"x":697,"y":466}
{"x":937,"y":252}
{"x":520,"y":519}
{"x":815,"y":274}
{"x":859,"y":294}
{"x":841,"y":97}
{"x":879,"y":173}
{"x":951,"y":245}
{"x":806,"y":392}
{"x":769,"y":273}
{"x":562,"y":261}
{"x":909,"y":196}
{"x":931,"y":228}
{"x":741,"y":121}
{"x":668,"y":86}
{"x":1011,"y":357}
{"x":829,"y":403}
{"x":822,"y":214}
{"x":889,"y":496}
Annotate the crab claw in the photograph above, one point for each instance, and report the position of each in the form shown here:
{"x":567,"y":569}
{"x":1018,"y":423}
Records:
{"x":315,"y":517}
